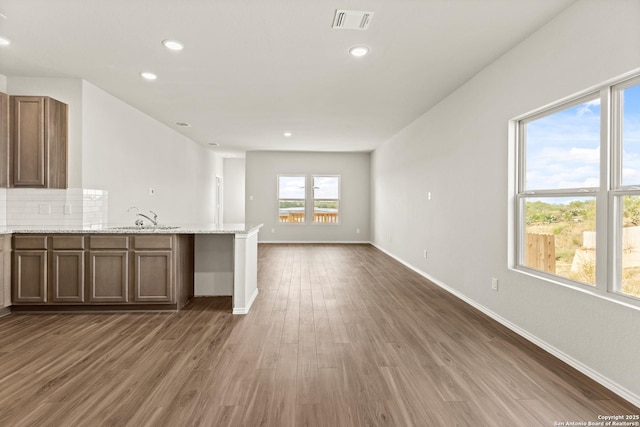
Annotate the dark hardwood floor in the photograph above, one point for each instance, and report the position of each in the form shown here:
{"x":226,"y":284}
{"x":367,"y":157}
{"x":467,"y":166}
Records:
{"x":339,"y":336}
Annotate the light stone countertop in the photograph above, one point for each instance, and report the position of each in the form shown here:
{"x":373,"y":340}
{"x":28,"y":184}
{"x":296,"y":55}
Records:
{"x":237,"y":229}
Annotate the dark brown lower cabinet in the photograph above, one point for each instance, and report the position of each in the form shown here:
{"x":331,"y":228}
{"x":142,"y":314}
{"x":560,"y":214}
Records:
{"x":153,"y":276}
{"x":109,"y":276}
{"x":5,"y":272}
{"x":105,"y":270}
{"x":67,"y":268}
{"x":67,"y":276}
{"x":29,"y":276}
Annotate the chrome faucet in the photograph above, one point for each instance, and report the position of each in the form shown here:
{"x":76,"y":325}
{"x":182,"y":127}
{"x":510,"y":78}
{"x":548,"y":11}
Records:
{"x":154,"y":221}
{"x":139,"y":222}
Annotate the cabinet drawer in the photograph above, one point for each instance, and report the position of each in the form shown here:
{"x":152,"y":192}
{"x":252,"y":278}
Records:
{"x":108,"y":242}
{"x":30,"y":242}
{"x":152,"y":241}
{"x":67,"y":242}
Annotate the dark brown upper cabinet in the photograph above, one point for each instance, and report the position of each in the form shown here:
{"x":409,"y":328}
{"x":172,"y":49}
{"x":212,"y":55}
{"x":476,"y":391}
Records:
{"x":38,"y":143}
{"x":4,"y":140}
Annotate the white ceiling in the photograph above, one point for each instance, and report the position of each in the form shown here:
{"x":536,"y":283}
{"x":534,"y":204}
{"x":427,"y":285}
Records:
{"x":252,"y":69}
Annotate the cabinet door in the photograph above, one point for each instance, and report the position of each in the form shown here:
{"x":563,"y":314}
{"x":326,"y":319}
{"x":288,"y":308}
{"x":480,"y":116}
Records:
{"x":30,"y":276}
{"x":4,"y":140}
{"x":153,"y":278}
{"x":3,"y":269}
{"x":67,"y":276}
{"x":28,"y":141}
{"x":56,"y":135}
{"x":108,"y":276}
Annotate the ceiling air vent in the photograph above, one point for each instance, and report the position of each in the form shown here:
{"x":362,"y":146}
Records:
{"x":352,"y":19}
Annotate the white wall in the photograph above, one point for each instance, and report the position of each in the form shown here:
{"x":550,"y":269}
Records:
{"x":3,"y":83}
{"x":68,"y":91}
{"x":458,"y":152}
{"x":127,"y":152}
{"x":262,"y":169}
{"x":234,"y":182}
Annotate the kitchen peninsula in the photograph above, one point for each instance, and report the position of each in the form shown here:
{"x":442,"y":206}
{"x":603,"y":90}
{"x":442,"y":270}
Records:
{"x":130,"y":268}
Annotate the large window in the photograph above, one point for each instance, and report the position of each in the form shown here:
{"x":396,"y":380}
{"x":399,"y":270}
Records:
{"x":578,"y":191}
{"x":323,"y":198}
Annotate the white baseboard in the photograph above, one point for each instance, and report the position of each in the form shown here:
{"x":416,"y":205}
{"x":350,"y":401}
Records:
{"x":245,"y":310}
{"x":315,"y":242}
{"x":574,"y":363}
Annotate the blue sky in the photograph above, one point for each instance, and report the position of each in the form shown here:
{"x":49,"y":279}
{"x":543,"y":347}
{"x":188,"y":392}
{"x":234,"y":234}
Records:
{"x":293,"y":187}
{"x":563,"y":149}
{"x":631,"y":137}
{"x":326,"y":187}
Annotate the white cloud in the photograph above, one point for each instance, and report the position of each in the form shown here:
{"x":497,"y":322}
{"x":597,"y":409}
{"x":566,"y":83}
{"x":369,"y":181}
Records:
{"x":589,"y":155}
{"x":586,"y":107}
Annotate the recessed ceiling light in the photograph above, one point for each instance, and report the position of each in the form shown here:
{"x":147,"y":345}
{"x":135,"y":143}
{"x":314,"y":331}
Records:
{"x":149,"y":76}
{"x":173,"y":44}
{"x":359,"y":51}
{"x":4,"y":41}
{"x":183,"y":124}
{"x":287,"y":134}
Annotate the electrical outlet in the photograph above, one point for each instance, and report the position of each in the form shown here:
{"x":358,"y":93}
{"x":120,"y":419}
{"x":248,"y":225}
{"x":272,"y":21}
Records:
{"x":357,"y":231}
{"x":429,"y":195}
{"x":273,"y":230}
{"x":67,"y":209}
{"x":425,"y":254}
{"x":494,"y":284}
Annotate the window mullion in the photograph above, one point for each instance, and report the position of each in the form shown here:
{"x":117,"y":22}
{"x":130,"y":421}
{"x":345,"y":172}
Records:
{"x":605,"y":212}
{"x":615,"y":225}
{"x":310,"y":195}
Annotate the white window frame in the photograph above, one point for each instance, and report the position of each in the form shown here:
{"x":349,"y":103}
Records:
{"x":608,"y":195}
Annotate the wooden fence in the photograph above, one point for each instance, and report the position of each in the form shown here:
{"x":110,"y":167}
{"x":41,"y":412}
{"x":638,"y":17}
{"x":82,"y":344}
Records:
{"x":292,"y":217}
{"x":330,"y":217}
{"x":540,"y":252}
{"x":318,"y":217}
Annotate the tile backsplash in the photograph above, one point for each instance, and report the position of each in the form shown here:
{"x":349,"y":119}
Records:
{"x":51,"y":207}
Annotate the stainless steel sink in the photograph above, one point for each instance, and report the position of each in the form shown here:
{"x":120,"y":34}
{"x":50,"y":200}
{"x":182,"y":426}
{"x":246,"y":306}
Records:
{"x":145,"y":227}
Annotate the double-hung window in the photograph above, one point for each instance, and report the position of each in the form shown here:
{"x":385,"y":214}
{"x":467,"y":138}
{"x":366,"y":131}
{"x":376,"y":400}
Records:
{"x":577,"y":200}
{"x":326,"y":199}
{"x":317,"y":194}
